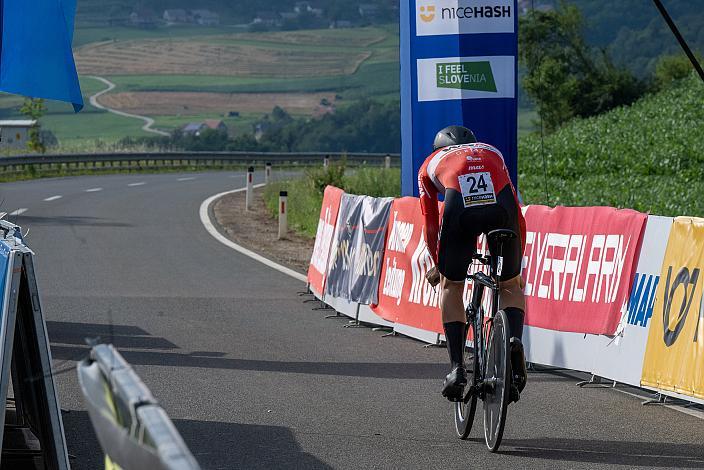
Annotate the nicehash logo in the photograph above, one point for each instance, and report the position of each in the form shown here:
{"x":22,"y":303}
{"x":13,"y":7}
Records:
{"x":427,"y":13}
{"x":443,"y":17}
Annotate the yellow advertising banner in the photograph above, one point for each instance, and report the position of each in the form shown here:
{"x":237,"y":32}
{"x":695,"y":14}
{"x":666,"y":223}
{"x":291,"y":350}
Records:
{"x":674,"y":357}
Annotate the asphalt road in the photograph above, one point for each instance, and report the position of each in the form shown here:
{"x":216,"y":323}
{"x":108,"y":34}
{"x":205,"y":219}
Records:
{"x":253,"y":378}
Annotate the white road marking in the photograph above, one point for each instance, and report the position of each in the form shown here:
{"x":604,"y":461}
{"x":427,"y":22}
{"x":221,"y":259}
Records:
{"x":53,"y":198}
{"x":208,"y":224}
{"x":186,"y":179}
{"x":93,"y":190}
{"x":19,"y":211}
{"x":141,"y":183}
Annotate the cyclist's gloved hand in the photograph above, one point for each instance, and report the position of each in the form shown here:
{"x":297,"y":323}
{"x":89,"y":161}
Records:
{"x":433,"y":276}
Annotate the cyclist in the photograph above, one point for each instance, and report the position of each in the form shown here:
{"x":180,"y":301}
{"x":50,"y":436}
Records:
{"x":479,"y":198}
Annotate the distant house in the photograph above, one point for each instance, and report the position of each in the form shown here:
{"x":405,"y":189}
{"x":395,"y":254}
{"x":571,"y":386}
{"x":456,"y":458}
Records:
{"x":193,"y":128}
{"x":176,"y":16}
{"x":205,"y":17}
{"x":143,"y":18}
{"x":197,"y":128}
{"x":268,"y":18}
{"x":368,"y":10}
{"x":289,"y":15}
{"x":323,"y":110}
{"x":15,"y":134}
{"x":216,"y":125}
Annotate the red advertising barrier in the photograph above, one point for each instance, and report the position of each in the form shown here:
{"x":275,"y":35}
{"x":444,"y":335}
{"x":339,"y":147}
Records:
{"x":405,"y":297}
{"x":578,"y":266}
{"x":317,"y":271}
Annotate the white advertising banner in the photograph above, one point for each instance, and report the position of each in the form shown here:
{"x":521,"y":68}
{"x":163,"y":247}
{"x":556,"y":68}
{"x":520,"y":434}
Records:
{"x":465,"y":78}
{"x":621,"y":358}
{"x":441,"y":17}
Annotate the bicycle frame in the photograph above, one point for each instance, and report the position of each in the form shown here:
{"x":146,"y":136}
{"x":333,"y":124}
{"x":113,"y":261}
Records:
{"x":475,"y":314}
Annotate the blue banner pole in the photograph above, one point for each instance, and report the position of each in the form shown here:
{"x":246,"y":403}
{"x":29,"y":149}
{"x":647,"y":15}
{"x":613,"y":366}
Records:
{"x":459,"y":62}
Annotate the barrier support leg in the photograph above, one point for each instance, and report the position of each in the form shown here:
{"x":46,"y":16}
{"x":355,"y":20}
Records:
{"x":658,"y":399}
{"x":385,"y":329}
{"x":437,"y":343}
{"x":354,"y":323}
{"x":594,"y":380}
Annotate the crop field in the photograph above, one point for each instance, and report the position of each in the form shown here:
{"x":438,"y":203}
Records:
{"x":191,"y":103}
{"x":187,"y":74}
{"x":217,"y":57}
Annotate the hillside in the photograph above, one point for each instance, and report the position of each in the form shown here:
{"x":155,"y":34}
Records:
{"x":635,"y":33}
{"x":649,"y":156}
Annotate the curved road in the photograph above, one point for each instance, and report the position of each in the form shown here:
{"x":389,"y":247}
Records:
{"x":148,"y":122}
{"x":253,"y":378}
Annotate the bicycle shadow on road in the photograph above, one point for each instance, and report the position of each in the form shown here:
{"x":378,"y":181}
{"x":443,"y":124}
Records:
{"x":214,"y":360}
{"x":637,"y":454}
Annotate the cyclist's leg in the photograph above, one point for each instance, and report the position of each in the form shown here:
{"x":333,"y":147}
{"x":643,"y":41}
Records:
{"x":511,"y":299}
{"x":455,"y":250}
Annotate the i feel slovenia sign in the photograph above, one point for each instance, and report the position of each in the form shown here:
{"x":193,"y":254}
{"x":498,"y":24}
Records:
{"x":458,"y":66}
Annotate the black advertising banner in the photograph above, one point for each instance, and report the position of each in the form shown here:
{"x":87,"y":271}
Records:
{"x":358,"y":248}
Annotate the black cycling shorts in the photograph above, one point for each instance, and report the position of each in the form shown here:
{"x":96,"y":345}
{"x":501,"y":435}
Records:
{"x":462,"y":226}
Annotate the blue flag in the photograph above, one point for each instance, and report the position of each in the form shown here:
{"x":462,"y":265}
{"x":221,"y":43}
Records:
{"x":37,"y":58}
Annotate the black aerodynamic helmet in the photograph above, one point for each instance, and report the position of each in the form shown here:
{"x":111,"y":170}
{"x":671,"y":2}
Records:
{"x":453,"y":135}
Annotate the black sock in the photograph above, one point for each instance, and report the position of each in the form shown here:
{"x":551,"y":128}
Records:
{"x":456,"y":336}
{"x":515,"y":321}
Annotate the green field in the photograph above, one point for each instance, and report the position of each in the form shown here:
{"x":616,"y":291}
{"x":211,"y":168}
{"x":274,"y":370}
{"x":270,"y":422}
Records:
{"x":376,"y":77}
{"x":649,"y":156}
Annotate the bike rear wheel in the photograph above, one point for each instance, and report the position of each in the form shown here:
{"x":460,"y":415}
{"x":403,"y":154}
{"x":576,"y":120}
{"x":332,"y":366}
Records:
{"x":497,"y":379}
{"x":465,"y":409}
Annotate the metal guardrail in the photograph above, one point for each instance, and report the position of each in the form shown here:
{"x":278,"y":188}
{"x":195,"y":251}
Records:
{"x":99,"y":161}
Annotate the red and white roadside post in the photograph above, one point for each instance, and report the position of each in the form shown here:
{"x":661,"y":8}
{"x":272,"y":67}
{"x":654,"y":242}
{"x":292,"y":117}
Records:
{"x":267,"y":173}
{"x":326,"y":161}
{"x":283,"y":214}
{"x":250,"y":188}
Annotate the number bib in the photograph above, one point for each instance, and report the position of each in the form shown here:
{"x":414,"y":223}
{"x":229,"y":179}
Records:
{"x":477,"y":189}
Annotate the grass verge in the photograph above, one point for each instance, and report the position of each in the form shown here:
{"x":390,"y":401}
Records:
{"x":305,"y":195}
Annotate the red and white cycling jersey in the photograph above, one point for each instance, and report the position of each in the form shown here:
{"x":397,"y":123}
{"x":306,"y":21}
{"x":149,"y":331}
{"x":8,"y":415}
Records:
{"x":477,"y":171}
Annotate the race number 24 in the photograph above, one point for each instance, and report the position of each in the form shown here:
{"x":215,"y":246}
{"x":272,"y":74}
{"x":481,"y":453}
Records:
{"x":477,"y":189}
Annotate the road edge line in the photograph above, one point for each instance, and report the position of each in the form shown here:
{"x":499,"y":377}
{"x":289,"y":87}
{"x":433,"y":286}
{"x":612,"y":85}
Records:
{"x":212,"y":230}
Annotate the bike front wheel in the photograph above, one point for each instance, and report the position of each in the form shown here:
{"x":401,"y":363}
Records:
{"x":497,"y":381}
{"x":466,"y":408}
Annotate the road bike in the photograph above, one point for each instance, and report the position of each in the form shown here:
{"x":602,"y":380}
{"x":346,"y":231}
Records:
{"x":487,"y":351}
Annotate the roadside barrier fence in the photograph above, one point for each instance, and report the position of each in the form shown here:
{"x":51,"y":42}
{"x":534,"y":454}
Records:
{"x":615,"y":293}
